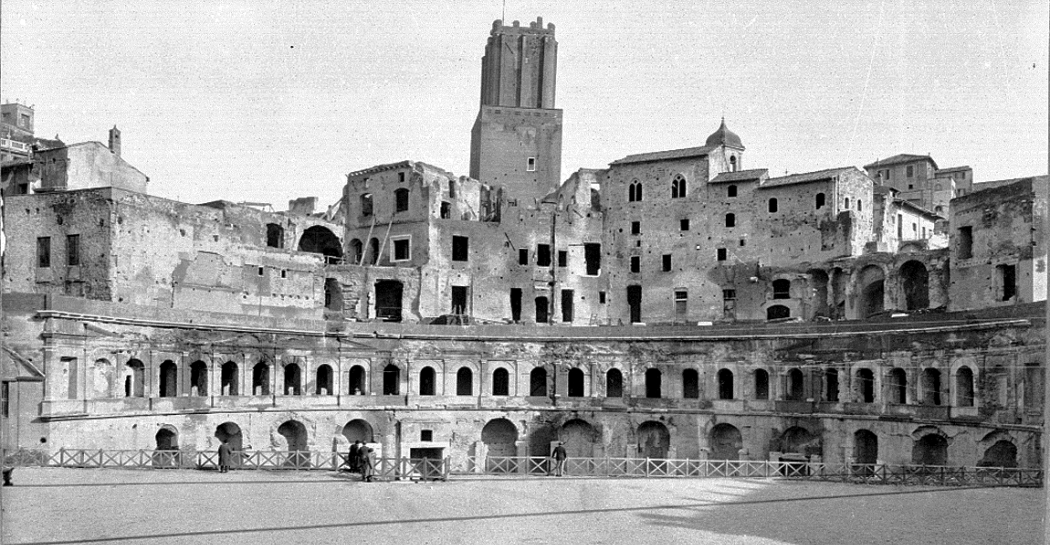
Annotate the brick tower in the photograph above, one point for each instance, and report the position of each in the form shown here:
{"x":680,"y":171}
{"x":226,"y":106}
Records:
{"x":516,"y":140}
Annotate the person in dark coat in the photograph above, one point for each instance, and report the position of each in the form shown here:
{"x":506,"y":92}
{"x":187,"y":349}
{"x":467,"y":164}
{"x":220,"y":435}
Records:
{"x":225,"y":454}
{"x":559,"y":455}
{"x":368,"y":464}
{"x":353,"y":456}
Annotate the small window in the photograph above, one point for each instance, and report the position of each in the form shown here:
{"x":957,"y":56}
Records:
{"x":73,"y":250}
{"x":847,"y":203}
{"x":366,"y":204}
{"x":262,"y":271}
{"x":781,"y":289}
{"x":730,"y":220}
{"x":820,"y":201}
{"x":681,"y":304}
{"x":731,"y":191}
{"x":43,"y":252}
{"x":678,"y":187}
{"x":683,"y":225}
{"x":732,"y":163}
{"x":460,"y":248}
{"x":636,"y":263}
{"x":634,"y":191}
{"x":773,"y":206}
{"x":563,"y":258}
{"x":860,"y":205}
{"x":530,"y":165}
{"x":452,"y":189}
{"x":426,"y":436}
{"x":523,"y":256}
{"x":401,"y":177}
{"x":284,"y":273}
{"x":543,"y":255}
{"x":729,"y":295}
{"x":402,"y":249}
{"x":722,"y":254}
{"x":965,"y":244}
{"x":446,"y":210}
{"x":636,"y":227}
{"x":601,"y":297}
{"x":400,"y":200}
{"x":667,"y":262}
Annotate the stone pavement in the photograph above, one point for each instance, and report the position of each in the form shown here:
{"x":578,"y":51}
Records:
{"x":264,"y":507}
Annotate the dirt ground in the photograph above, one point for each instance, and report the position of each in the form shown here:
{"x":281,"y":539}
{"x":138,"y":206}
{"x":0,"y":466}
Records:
{"x":263,"y":507}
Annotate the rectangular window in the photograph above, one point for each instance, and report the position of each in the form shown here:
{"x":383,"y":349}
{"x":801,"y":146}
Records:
{"x":592,"y":254}
{"x":5,"y":396}
{"x":667,"y":262}
{"x":722,"y":253}
{"x":563,"y":258}
{"x":681,"y":304}
{"x":683,"y":224}
{"x":366,"y":204}
{"x":23,"y":121}
{"x":460,"y":248}
{"x":1007,"y":281}
{"x":426,"y":435}
{"x":261,"y":271}
{"x":911,"y":171}
{"x":566,"y":306}
{"x":530,"y":165}
{"x":401,"y":177}
{"x":515,"y":304}
{"x":729,"y":295}
{"x":73,"y":250}
{"x":900,"y":226}
{"x":402,"y":249}
{"x":523,"y":256}
{"x":43,"y":252}
{"x":636,"y":227}
{"x":601,"y":297}
{"x":459,"y":299}
{"x":636,"y":263}
{"x":965,"y":244}
{"x":543,"y":255}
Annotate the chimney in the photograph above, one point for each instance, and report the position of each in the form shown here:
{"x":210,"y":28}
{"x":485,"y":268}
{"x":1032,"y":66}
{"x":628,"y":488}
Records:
{"x":114,"y":140}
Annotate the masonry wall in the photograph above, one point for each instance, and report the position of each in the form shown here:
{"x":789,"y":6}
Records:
{"x":86,"y":165}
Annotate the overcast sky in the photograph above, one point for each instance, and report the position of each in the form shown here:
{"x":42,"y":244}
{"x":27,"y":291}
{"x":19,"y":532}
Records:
{"x":257,"y":101}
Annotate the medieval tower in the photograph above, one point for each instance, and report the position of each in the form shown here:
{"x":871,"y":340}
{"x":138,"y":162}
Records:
{"x":516,"y":140}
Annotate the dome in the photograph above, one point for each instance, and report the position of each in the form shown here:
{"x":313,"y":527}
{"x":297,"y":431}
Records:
{"x":724,"y":137}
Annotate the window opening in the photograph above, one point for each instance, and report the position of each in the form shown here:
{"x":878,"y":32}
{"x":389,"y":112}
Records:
{"x":543,"y":255}
{"x":460,"y":248}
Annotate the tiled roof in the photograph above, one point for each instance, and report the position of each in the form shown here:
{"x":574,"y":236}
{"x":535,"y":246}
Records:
{"x":741,"y":176}
{"x":805,"y":177}
{"x":664,"y":155}
{"x":901,"y":158}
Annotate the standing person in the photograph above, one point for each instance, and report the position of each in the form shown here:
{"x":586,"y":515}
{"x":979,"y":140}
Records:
{"x":559,"y":456}
{"x":368,"y":464}
{"x":225,"y":453}
{"x":351,"y":458}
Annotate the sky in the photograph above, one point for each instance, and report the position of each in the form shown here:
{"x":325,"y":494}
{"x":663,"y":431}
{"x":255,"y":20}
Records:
{"x":269,"y":101}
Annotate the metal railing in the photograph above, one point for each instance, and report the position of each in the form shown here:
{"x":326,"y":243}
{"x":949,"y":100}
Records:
{"x":818,"y":471}
{"x":440,"y":469}
{"x":386,"y":468}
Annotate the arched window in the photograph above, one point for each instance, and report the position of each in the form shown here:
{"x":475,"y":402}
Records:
{"x":400,"y":200}
{"x":796,"y":385}
{"x":391,"y":380}
{"x":292,"y":380}
{"x":678,"y":187}
{"x":538,"y":382}
{"x":731,"y":191}
{"x":575,"y":382}
{"x":356,"y":249}
{"x":325,"y":384}
{"x":964,"y":387}
{"x":373,"y":251}
{"x":777,"y":312}
{"x":652,"y":383}
{"x":730,"y":220}
{"x":860,"y":205}
{"x":464,"y":382}
{"x":446,"y":210}
{"x":261,"y":379}
{"x":831,"y":385}
{"x":781,"y":289}
{"x":614,"y":383}
{"x":169,"y":375}
{"x":274,"y":235}
{"x":452,"y":189}
{"x":725,"y":384}
{"x":634,"y":192}
{"x":761,"y":384}
{"x":773,"y":207}
{"x":427,"y":381}
{"x":898,"y":386}
{"x":820,"y":201}
{"x":690,"y":384}
{"x":865,"y":385}
{"x":134,"y":379}
{"x":199,"y":377}
{"x":847,"y":203}
{"x":230,"y":384}
{"x":732,"y":163}
{"x":500,"y":377}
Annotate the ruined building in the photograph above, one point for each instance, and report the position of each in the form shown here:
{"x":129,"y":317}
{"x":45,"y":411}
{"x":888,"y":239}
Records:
{"x":671,"y":304}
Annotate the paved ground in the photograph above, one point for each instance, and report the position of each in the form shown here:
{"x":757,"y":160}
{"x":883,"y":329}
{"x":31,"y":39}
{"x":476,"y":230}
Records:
{"x":261,"y":507}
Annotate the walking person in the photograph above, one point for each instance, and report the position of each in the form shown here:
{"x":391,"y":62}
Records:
{"x":559,"y":455}
{"x":225,"y":453}
{"x":368,"y":464}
